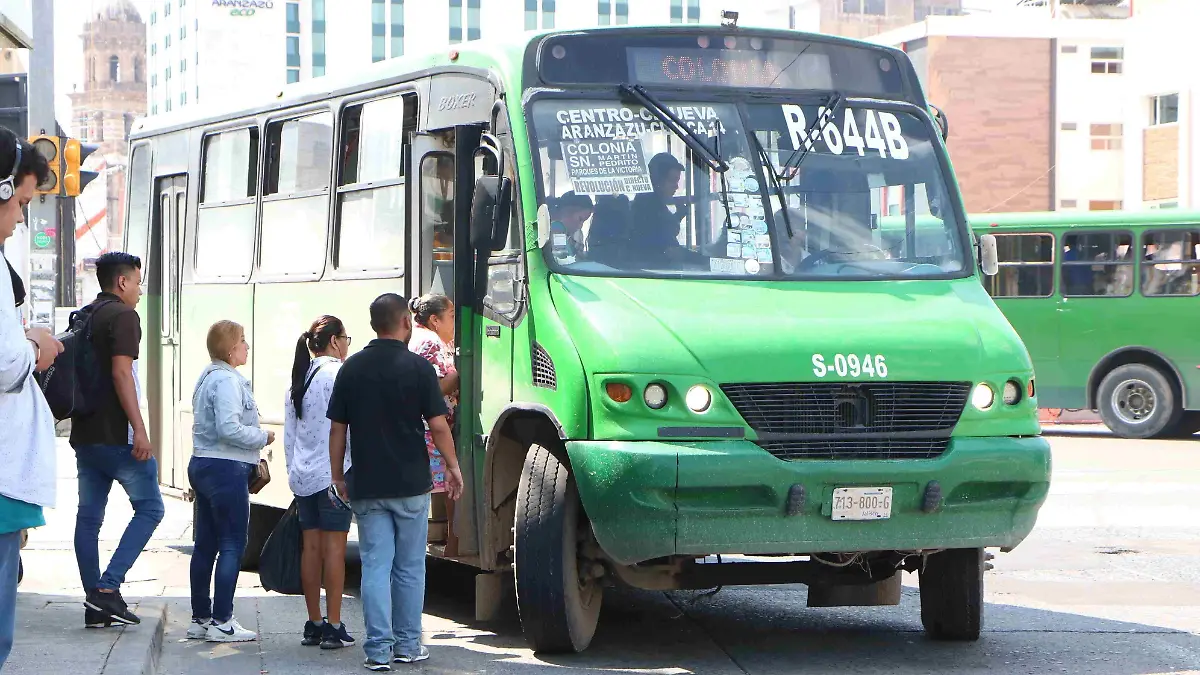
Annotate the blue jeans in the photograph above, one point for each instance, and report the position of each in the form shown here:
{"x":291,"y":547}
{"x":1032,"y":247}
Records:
{"x":392,"y":534}
{"x":222,"y":518}
{"x":10,"y":556}
{"x":99,"y":466}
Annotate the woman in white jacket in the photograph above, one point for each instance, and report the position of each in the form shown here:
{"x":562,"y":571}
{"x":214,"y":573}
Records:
{"x":319,"y":354}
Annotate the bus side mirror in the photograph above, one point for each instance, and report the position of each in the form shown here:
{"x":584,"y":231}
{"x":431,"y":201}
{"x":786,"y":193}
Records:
{"x":490,"y":209}
{"x":989,"y":258}
{"x":943,"y":123}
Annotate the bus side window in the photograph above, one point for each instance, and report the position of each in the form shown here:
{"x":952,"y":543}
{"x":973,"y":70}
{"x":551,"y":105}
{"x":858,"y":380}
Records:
{"x":137,"y":232}
{"x":1171,"y":262}
{"x":296,"y":196}
{"x":1097,"y":264}
{"x":371,"y":187}
{"x":1026,"y":266}
{"x":225,"y":223}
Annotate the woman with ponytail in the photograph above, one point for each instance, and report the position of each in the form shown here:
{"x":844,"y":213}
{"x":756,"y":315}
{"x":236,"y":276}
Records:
{"x":319,"y":354}
{"x":433,"y":340}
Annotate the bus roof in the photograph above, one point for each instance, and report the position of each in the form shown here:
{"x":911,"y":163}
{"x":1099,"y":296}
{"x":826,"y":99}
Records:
{"x":506,"y":54}
{"x":983,"y":222}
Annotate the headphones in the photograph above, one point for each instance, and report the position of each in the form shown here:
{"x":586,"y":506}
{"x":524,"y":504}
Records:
{"x":8,"y":186}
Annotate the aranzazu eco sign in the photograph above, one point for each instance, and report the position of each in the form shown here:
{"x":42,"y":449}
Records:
{"x":244,"y":7}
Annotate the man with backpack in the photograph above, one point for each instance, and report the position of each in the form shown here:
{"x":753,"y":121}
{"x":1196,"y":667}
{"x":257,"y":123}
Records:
{"x":27,"y":480}
{"x":110,"y":439}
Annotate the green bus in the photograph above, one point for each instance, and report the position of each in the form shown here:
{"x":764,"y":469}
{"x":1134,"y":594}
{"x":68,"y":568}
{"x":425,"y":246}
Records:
{"x":704,"y":374}
{"x":1108,"y":304}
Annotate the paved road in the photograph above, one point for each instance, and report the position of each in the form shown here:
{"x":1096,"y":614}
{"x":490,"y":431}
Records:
{"x":1108,"y":583}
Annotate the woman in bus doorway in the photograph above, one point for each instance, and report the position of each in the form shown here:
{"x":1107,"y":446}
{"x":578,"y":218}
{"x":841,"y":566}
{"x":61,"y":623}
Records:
{"x":319,"y":354}
{"x":226,"y":445}
{"x":433,"y":340}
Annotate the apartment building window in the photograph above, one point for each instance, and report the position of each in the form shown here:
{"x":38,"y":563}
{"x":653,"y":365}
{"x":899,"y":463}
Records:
{"x":378,"y":31}
{"x":153,"y":51}
{"x":1105,"y":205}
{"x":1107,"y":60}
{"x":167,"y":41}
{"x":1068,"y":204}
{"x":183,"y":98}
{"x":676,"y":11}
{"x":318,"y":38}
{"x":1164,"y":109}
{"x":397,"y":28}
{"x":293,"y":17}
{"x":183,"y":65}
{"x":293,"y":75}
{"x":153,"y":18}
{"x":622,"y":12}
{"x":548,"y":13}
{"x":168,"y":73}
{"x":872,"y":7}
{"x":604,"y":12}
{"x":693,"y":11}
{"x":924,"y":8}
{"x":167,"y":9}
{"x":183,"y":32}
{"x":1069,"y":126}
{"x":456,"y":32}
{"x":473,"y":20}
{"x":531,"y":14}
{"x":293,"y":51}
{"x":1106,"y":136}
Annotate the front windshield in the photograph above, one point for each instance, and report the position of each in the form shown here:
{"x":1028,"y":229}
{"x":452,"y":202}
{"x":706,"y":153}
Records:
{"x":628,"y":198}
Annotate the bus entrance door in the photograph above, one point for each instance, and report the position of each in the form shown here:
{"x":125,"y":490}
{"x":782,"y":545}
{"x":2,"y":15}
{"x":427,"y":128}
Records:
{"x":165,"y":378}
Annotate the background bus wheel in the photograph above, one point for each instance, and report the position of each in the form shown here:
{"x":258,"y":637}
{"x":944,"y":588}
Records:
{"x":1137,"y":401}
{"x":952,"y":594}
{"x":559,"y":608}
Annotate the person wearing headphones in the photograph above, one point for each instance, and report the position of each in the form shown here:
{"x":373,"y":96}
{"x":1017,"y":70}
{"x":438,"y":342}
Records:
{"x":27,"y":433}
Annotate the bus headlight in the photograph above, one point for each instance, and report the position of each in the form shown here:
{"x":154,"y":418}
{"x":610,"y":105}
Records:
{"x":983,"y":397}
{"x":699,"y":398}
{"x":655,"y":396}
{"x":1012,"y":392}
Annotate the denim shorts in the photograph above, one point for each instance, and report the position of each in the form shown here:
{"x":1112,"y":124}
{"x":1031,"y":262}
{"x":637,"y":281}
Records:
{"x":317,"y":512}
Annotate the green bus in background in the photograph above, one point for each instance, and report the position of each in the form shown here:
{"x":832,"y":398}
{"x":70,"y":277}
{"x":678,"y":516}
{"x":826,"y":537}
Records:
{"x":1108,"y":304}
{"x":686,"y":360}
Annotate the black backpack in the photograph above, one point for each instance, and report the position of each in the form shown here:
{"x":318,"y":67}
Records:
{"x":75,"y":384}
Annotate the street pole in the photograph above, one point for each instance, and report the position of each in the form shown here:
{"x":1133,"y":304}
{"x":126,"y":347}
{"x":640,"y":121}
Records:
{"x":44,"y":281}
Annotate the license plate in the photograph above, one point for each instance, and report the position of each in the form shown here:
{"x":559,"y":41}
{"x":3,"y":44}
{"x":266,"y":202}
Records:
{"x":862,"y":503}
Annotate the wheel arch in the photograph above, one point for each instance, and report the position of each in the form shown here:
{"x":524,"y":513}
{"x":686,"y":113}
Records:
{"x":518,"y":426}
{"x":1126,"y":356}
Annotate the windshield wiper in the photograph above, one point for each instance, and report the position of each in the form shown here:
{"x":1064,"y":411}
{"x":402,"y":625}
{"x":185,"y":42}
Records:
{"x":775,"y":186}
{"x":815,"y":129}
{"x":677,"y":127}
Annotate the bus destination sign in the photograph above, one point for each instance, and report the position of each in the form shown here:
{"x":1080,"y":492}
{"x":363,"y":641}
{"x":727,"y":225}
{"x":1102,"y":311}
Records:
{"x":729,"y":68}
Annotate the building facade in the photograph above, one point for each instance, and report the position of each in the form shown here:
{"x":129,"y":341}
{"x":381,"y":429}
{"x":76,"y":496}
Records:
{"x":1036,"y":106}
{"x":104,"y":109}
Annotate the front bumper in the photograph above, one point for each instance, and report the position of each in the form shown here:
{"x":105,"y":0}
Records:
{"x":650,"y":499}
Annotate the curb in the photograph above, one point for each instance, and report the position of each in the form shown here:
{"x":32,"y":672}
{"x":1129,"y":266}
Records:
{"x":133,"y":654}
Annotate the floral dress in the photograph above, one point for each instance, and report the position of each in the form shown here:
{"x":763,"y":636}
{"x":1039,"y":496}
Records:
{"x":426,"y":344}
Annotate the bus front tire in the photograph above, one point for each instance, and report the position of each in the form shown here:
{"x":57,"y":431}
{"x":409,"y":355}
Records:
{"x":559,"y":610}
{"x":1138,"y":401}
{"x":952,"y":594}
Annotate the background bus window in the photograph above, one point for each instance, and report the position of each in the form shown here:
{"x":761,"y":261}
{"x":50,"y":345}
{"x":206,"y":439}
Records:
{"x":1171,"y":262}
{"x":1097,"y":264}
{"x":137,"y":232}
{"x":1026,"y":267}
{"x":371,"y":212}
{"x":437,"y":221}
{"x":225,"y":224}
{"x":296,"y":199}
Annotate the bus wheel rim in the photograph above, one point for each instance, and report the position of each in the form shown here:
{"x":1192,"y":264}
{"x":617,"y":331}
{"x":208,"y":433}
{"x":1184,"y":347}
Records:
{"x":1134,"y":401}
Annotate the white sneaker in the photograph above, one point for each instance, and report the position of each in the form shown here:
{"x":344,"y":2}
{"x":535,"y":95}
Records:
{"x":198,"y":630}
{"x":230,"y":631}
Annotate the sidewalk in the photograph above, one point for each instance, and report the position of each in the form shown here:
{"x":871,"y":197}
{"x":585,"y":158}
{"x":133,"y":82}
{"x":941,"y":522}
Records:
{"x":51,"y":639}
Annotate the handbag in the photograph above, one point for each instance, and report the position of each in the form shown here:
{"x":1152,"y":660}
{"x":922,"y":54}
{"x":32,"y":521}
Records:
{"x":260,"y":475}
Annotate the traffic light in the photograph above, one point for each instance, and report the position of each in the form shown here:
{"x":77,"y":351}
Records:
{"x":74,"y":177}
{"x":50,"y":148}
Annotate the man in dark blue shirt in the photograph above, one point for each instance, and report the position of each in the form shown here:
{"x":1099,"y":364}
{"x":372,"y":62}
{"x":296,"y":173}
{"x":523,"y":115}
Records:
{"x":383,"y":395}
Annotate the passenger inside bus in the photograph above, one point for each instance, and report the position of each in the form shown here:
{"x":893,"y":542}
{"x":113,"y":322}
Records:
{"x":655,"y":234}
{"x":568,"y":215}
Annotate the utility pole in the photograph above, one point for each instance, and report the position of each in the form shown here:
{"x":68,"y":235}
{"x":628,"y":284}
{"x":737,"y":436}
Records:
{"x":46,"y":284}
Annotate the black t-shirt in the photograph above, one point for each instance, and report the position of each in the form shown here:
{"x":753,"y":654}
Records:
{"x":116,"y":331}
{"x":384,"y":393}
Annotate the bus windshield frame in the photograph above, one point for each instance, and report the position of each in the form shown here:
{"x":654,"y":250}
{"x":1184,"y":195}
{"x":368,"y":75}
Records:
{"x":735,"y":102}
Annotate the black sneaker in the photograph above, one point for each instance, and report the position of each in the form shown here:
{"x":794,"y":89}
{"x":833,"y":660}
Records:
{"x":312,"y":633}
{"x":113,"y":605}
{"x":94,"y":619}
{"x":335,"y":638}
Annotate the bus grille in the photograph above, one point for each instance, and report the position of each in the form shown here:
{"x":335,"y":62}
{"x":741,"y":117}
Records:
{"x":876,"y":420}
